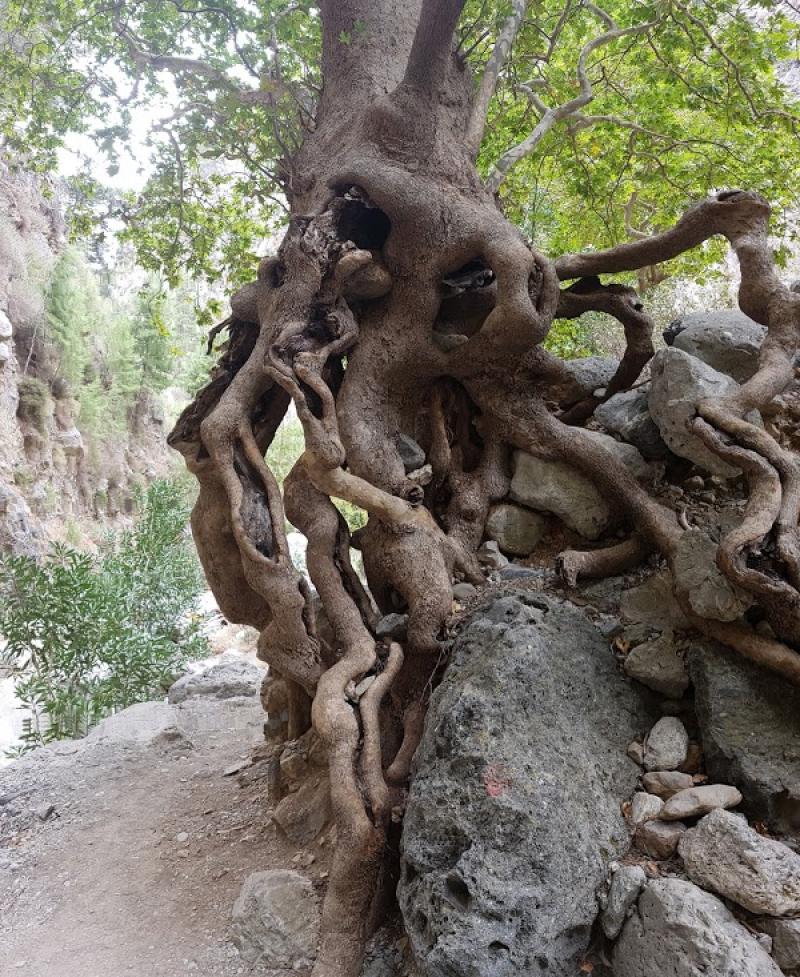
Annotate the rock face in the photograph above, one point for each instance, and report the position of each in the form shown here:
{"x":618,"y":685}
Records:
{"x":229,"y":678}
{"x":727,"y":340}
{"x":679,"y":381}
{"x":750,"y":727}
{"x":628,"y":415}
{"x":276,"y":920}
{"x":515,"y":803}
{"x":723,"y":853}
{"x":552,"y":486}
{"x":516,"y":530}
{"x":679,"y":930}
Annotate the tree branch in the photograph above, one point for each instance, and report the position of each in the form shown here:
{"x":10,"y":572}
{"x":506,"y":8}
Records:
{"x":433,"y":43}
{"x":553,"y":115}
{"x":486,"y":89}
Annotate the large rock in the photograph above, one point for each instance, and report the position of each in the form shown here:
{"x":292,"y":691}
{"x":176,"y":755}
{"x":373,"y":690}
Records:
{"x":628,"y":415}
{"x":516,"y":530}
{"x":785,"y":936}
{"x":231,"y":677}
{"x":679,"y":381}
{"x":514,"y":808}
{"x":696,"y":801}
{"x":681,"y":931}
{"x":626,"y":884}
{"x":276,"y":920}
{"x":725,"y":854}
{"x":666,"y":745}
{"x":553,"y":486}
{"x":727,"y":340}
{"x":750,"y":727}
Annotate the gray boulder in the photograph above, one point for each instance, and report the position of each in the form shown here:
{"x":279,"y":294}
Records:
{"x":230,"y":677}
{"x":679,"y":381}
{"x":710,"y":592}
{"x":727,"y":340}
{"x":553,"y":486}
{"x":590,"y":373}
{"x":678,"y":929}
{"x":275,"y":920}
{"x":749,"y":723}
{"x":514,"y":808}
{"x":516,"y":530}
{"x":412,"y":455}
{"x":628,"y":415}
{"x":725,"y":854}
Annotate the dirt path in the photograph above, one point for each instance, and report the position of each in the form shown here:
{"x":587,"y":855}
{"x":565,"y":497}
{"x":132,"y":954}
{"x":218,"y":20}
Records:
{"x":137,"y":867}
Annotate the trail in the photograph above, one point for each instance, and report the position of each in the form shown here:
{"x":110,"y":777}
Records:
{"x":137,"y":867}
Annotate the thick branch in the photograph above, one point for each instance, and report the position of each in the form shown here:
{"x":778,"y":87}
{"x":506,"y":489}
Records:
{"x":491,"y":73}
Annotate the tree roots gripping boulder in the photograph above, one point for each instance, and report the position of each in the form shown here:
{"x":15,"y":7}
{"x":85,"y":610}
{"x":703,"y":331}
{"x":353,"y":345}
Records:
{"x":402,"y":303}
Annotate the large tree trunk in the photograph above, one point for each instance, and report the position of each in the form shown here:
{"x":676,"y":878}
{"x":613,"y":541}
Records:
{"x":402,"y":302}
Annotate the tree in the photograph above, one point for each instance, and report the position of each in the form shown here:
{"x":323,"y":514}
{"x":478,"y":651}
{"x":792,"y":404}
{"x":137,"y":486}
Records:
{"x":402,"y":301}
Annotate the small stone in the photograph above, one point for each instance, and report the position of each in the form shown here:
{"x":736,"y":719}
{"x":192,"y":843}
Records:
{"x":394,"y":626}
{"x":724,"y":854}
{"x":697,"y":801}
{"x":666,"y":745}
{"x":516,"y":530}
{"x":785,"y":936}
{"x":644,"y":807}
{"x":658,"y":665}
{"x":422,"y":476}
{"x":44,"y":811}
{"x":182,"y":837}
{"x":412,"y":456}
{"x":695,"y":483}
{"x":626,"y":884}
{"x":665,"y":783}
{"x":636,"y":752}
{"x":489,"y":555}
{"x":464,"y":591}
{"x":659,"y":839}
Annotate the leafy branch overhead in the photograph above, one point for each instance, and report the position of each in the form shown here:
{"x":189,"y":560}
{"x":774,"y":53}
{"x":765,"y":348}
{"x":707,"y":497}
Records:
{"x":618,"y":110}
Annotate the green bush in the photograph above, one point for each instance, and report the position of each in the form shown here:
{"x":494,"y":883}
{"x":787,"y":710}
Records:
{"x":87,"y":635}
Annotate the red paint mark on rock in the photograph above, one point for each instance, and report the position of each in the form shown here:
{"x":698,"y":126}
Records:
{"x":497,"y":779}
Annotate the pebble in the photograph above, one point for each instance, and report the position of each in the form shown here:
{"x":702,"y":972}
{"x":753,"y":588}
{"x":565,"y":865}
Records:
{"x":463,"y":591}
{"x":644,"y":807}
{"x":181,"y":837}
{"x":697,"y":801}
{"x":636,"y":752}
{"x":44,"y":811}
{"x":666,"y":745}
{"x":665,"y":783}
{"x":659,"y":839}
{"x":695,"y":484}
